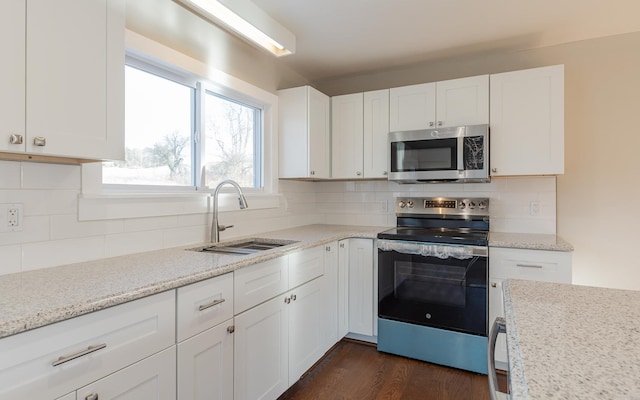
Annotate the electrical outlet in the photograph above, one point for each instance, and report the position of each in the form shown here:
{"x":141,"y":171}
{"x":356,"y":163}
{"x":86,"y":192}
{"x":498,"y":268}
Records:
{"x":534,"y":208}
{"x":10,"y":217}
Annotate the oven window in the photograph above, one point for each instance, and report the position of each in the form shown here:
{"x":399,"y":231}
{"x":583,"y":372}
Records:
{"x":424,"y":155}
{"x":430,"y":283}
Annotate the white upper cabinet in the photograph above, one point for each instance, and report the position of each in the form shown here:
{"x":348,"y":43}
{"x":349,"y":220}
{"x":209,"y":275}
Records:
{"x":304,"y":137}
{"x":455,"y":102}
{"x":12,"y":73}
{"x":69,"y":95}
{"x":527,"y":122}
{"x":347,"y":136}
{"x":359,"y":129}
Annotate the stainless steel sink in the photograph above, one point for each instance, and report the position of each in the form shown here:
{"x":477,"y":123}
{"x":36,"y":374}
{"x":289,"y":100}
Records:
{"x":245,"y":247}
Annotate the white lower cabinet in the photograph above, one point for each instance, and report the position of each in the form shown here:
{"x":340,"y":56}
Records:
{"x":361,"y":292}
{"x":331,"y":293}
{"x":54,"y":360}
{"x":205,"y":365}
{"x":537,"y":265}
{"x":153,"y":378}
{"x":261,"y":351}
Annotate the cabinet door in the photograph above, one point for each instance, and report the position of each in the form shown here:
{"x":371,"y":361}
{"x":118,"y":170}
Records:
{"x":343,"y":288}
{"x":205,"y":365}
{"x":153,"y":378}
{"x":319,"y":115}
{"x":527,"y":122}
{"x":375,"y":134}
{"x":74,"y":80}
{"x":463,"y":101}
{"x":412,"y":107}
{"x":307,"y":328}
{"x":12,"y":73}
{"x":330,"y":308}
{"x":261,"y":351}
{"x":496,"y":309}
{"x":361,"y":286}
{"x":347,"y":136}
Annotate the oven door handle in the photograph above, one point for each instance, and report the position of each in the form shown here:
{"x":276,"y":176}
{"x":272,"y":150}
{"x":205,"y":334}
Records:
{"x":499,"y":326}
{"x":433,"y":249}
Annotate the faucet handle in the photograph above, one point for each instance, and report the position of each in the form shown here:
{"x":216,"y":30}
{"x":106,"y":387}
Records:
{"x":224,"y":227}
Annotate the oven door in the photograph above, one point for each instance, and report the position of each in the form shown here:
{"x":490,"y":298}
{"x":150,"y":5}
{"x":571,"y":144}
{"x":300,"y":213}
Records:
{"x":442,"y":286}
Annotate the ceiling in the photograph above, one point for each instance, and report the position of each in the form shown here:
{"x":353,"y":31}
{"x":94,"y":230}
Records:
{"x":343,"y":37}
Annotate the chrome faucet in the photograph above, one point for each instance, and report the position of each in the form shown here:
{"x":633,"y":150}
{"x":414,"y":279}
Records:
{"x":215,"y":227}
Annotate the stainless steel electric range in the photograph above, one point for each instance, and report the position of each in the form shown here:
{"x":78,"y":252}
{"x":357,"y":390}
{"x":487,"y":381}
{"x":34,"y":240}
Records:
{"x":432,"y":282}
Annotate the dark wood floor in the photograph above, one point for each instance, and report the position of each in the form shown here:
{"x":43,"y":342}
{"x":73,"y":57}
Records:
{"x":353,"y":370}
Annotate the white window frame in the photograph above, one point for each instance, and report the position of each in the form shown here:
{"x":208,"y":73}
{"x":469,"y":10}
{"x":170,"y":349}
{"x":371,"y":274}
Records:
{"x":98,"y":201}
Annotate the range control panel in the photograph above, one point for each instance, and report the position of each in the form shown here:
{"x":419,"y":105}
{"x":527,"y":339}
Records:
{"x":442,"y":205}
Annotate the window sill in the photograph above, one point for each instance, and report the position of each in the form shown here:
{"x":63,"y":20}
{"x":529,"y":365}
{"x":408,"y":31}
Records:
{"x":106,"y":206}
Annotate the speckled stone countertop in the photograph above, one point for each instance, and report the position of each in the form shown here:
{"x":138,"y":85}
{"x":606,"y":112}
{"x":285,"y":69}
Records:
{"x":532,"y":241}
{"x":572,"y":342}
{"x":36,"y":298}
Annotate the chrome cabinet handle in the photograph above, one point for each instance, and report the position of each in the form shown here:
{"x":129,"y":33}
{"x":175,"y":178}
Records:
{"x":529,"y":266}
{"x":313,"y":172}
{"x":287,"y":300}
{"x":293,"y":297}
{"x":209,"y":305}
{"x":494,"y":169}
{"x":92,"y":396}
{"x":440,"y":123}
{"x":88,"y":350}
{"x":431,"y":123}
{"x":358,"y":173}
{"x":499,"y":326}
{"x":15,"y":139}
{"x":39,"y":141}
{"x":231,"y":328}
{"x":385,"y":173}
{"x":494,"y":284}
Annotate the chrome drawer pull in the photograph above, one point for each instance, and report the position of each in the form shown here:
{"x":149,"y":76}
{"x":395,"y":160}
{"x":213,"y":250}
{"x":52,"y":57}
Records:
{"x":529,"y":266}
{"x":88,"y":350}
{"x":209,"y":305}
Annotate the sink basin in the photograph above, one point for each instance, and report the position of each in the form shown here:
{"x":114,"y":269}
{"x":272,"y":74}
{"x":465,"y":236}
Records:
{"x":245,"y":247}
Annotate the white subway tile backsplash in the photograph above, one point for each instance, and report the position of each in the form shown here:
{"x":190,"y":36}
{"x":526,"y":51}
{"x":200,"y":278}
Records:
{"x":68,"y":226}
{"x":148,"y":224}
{"x":186,"y":236}
{"x":54,"y":176}
{"x":35,"y":229}
{"x":132,"y":242}
{"x":59,"y":252}
{"x":11,"y":257}
{"x":10,"y":175}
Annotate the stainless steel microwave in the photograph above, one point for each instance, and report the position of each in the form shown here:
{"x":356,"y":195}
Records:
{"x":455,"y":154}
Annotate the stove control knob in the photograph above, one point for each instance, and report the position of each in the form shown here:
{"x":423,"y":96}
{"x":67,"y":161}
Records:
{"x":401,"y":204}
{"x":461,"y":205}
{"x":482,"y":205}
{"x":472,"y":205}
{"x":410,"y":204}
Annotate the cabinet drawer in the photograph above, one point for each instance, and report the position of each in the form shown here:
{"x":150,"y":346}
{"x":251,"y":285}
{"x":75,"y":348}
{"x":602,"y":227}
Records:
{"x":258,"y":283}
{"x":204,"y":305}
{"x":128,"y":332}
{"x":538,"y":265}
{"x":305,"y":265}
{"x":153,"y":378}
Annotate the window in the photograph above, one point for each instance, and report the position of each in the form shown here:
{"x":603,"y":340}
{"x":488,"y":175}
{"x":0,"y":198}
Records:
{"x":175,"y":125}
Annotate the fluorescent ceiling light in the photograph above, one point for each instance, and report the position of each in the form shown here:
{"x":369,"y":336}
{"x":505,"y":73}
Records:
{"x":247,"y":20}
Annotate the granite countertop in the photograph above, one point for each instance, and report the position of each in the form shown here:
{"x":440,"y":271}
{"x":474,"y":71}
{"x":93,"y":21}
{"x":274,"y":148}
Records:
{"x":572,"y":342}
{"x":37,"y":298}
{"x":532,"y":241}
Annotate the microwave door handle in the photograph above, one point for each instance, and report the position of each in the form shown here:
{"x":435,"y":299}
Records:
{"x":460,"y":153}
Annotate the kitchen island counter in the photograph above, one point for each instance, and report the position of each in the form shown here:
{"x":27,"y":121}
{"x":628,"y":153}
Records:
{"x":32,"y":299}
{"x":572,"y":342}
